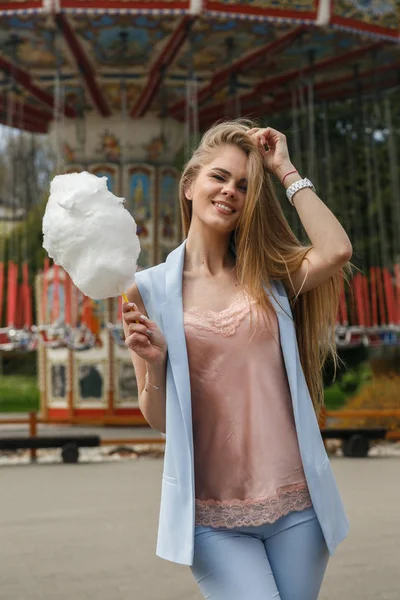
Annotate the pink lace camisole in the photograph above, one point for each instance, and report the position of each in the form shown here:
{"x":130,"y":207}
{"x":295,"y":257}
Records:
{"x":248,"y":469}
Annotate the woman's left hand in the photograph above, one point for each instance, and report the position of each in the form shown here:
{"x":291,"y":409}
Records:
{"x":276,"y":155}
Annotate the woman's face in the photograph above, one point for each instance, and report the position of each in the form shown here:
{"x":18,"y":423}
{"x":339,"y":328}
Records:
{"x":219,"y":191}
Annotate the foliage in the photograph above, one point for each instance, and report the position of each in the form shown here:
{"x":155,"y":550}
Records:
{"x":334,"y":397}
{"x":352,"y":171}
{"x":26,"y":165}
{"x":347,"y":384}
{"x":18,"y":394}
{"x":381,"y":392}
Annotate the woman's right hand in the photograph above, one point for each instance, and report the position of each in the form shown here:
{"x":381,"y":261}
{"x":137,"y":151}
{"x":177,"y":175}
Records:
{"x":143,"y":336}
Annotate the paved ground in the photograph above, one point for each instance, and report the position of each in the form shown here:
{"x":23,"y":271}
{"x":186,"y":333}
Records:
{"x":87,"y":532}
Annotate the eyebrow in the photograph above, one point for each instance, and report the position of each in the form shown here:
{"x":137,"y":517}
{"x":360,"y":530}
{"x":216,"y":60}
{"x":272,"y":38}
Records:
{"x":225,"y":172}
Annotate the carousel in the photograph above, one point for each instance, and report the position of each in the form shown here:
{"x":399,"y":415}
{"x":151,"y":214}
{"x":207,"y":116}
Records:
{"x":124,"y":88}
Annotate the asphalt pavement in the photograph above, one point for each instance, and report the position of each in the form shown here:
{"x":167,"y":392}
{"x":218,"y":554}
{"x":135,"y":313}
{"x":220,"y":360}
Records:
{"x":88,"y":532}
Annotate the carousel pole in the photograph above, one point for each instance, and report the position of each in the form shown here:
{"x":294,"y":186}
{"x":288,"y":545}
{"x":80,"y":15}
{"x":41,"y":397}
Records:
{"x":3,"y":232}
{"x":370,"y":215}
{"x":191,"y":108}
{"x":58,"y":117}
{"x":12,"y":274}
{"x":110,"y":411}
{"x":352,"y":134}
{"x":395,"y":204}
{"x":26,"y":292}
{"x":384,"y":280}
{"x":233,"y":104}
{"x":342,"y":317}
{"x":3,"y":229}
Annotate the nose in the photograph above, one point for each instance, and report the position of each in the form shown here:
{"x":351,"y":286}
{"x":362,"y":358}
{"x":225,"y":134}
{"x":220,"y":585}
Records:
{"x":228,"y":189}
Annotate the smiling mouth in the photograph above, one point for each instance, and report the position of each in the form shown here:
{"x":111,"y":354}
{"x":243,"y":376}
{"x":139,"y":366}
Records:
{"x":224,"y":208}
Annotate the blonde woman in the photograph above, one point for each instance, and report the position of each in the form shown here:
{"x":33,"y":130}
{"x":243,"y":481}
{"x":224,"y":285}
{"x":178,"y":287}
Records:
{"x":228,"y":338}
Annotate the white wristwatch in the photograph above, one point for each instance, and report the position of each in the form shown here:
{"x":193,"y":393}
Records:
{"x":297,"y":186}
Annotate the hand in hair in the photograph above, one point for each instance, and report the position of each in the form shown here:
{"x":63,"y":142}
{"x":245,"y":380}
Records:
{"x":276,"y":155}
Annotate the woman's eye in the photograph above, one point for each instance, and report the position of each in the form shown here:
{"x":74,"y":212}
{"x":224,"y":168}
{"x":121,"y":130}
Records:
{"x":243,"y":188}
{"x":218,"y":177}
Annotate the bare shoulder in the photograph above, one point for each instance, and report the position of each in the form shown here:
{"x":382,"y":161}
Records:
{"x":133,"y":295}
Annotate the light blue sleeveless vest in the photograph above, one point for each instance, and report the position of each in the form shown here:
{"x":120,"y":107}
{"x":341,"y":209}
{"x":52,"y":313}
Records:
{"x":161,"y":291}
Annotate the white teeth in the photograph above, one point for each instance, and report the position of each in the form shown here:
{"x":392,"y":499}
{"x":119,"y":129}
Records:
{"x":223,"y":206}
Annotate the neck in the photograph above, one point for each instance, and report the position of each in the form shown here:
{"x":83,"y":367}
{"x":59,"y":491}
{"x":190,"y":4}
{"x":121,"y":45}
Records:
{"x":208,"y":251}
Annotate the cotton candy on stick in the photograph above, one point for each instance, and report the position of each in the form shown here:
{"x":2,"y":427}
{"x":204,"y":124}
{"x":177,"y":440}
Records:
{"x":89,"y":232}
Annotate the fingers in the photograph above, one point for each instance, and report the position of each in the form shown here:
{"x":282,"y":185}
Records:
{"x":128,"y":307}
{"x":266,"y":133}
{"x":137,"y":340}
{"x":138,"y":336}
{"x":130,"y":313}
{"x":138,"y":328}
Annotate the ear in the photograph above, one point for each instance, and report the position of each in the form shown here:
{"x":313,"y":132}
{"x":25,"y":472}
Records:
{"x":189,"y":191}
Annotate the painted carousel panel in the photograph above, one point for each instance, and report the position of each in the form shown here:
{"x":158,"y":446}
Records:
{"x":381,"y":17}
{"x":146,"y":257}
{"x":214,"y":44}
{"x":141,"y":7}
{"x":112,"y":89}
{"x":140,"y":201}
{"x":33,"y":43}
{"x":125,"y":385}
{"x":169,"y":230}
{"x":229,"y":58}
{"x":58,"y":381}
{"x":109,"y":171}
{"x":90,"y":383}
{"x":122,"y":44}
{"x":56,"y":378}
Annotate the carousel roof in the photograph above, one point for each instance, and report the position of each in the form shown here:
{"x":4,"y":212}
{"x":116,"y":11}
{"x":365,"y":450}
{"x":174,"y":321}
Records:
{"x":256,"y":52}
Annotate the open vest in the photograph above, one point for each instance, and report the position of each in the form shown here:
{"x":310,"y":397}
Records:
{"x":161,"y":291}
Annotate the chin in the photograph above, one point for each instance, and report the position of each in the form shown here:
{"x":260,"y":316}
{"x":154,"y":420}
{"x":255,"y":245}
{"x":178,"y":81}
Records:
{"x":222,"y":228}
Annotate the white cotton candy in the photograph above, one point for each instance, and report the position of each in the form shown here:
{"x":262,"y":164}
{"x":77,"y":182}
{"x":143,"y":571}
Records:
{"x":89,"y":232}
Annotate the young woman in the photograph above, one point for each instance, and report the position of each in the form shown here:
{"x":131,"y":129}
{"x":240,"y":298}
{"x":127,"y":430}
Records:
{"x":228,"y":338}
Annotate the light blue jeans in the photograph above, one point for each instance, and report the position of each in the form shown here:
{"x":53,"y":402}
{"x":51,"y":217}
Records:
{"x":284,"y":560}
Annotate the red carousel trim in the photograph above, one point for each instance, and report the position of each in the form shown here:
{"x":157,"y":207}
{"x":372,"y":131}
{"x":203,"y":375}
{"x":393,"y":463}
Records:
{"x":242,"y":9}
{"x":283,"y":100}
{"x":83,"y":64}
{"x":31,"y":112}
{"x":397,"y":290}
{"x":27,"y":124}
{"x":26,"y":297}
{"x":24,"y":79}
{"x":322,"y":89}
{"x":12,"y":290}
{"x":2,"y":286}
{"x":221,"y":77}
{"x":267,"y":85}
{"x":370,"y":87}
{"x":353,"y":25}
{"x":20,"y":6}
{"x":126,"y":6}
{"x":395,"y":67}
{"x":389,"y":295}
{"x":164,"y":60}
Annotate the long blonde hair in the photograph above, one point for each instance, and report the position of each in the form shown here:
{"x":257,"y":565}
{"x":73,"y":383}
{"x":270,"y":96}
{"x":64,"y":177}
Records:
{"x":267,"y":249}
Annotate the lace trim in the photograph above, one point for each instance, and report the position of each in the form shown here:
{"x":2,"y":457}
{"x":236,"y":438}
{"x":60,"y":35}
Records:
{"x":224,"y":322}
{"x":253,"y":512}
